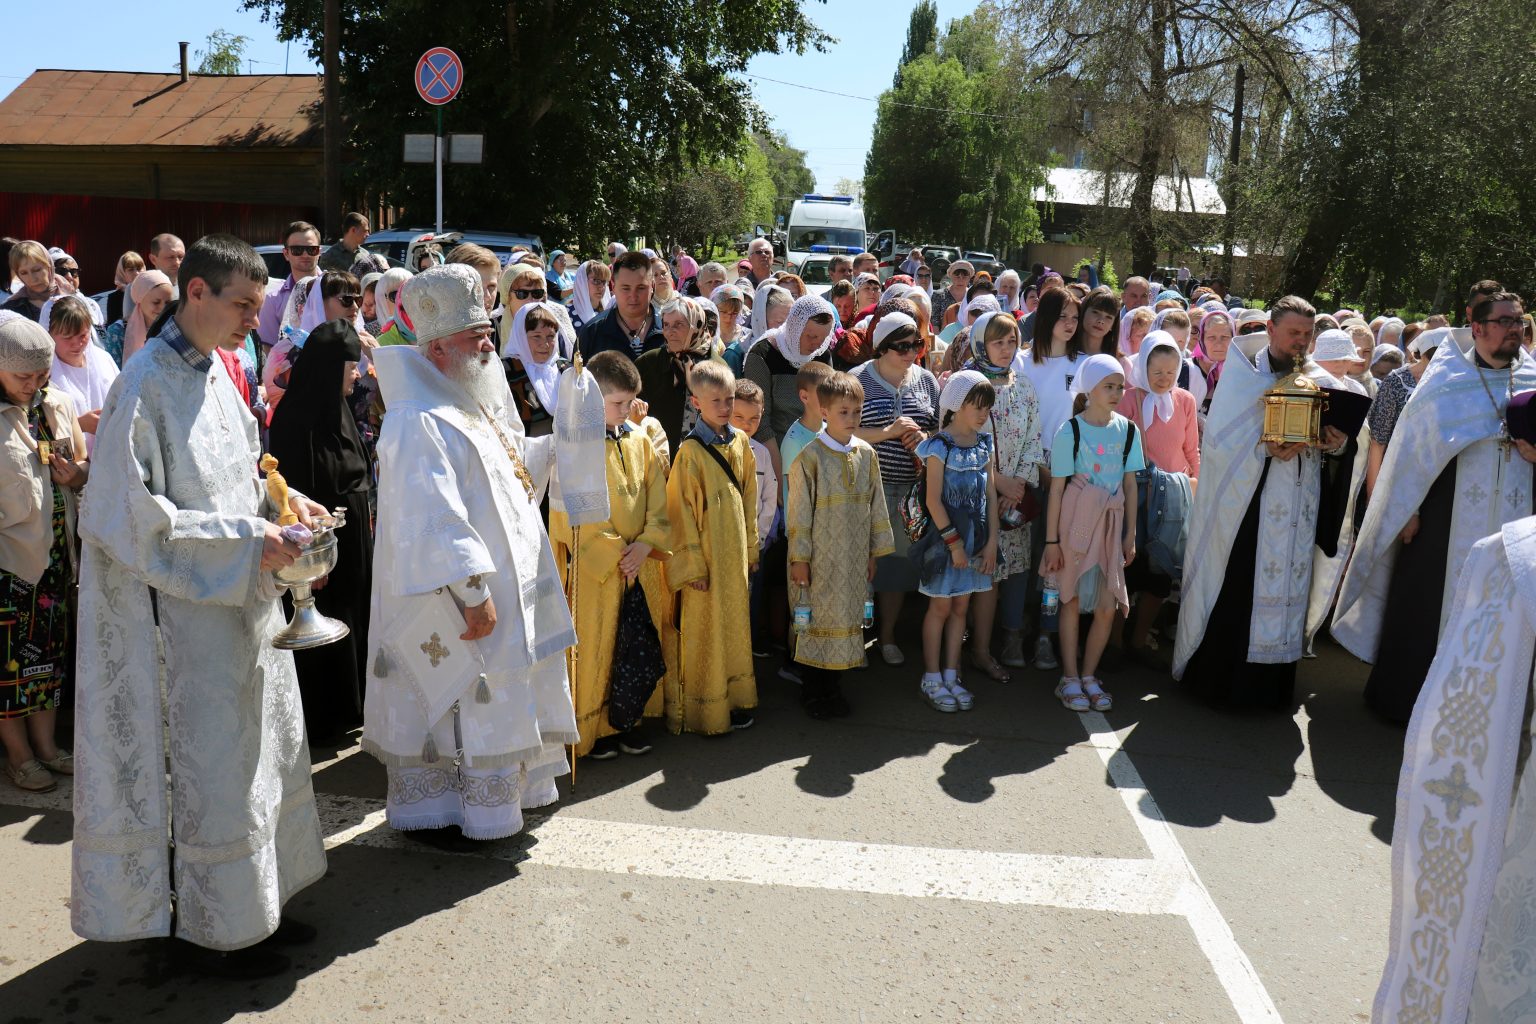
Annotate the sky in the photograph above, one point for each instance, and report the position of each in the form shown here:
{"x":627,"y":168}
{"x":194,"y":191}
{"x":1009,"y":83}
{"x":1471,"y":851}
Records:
{"x":834,"y":130}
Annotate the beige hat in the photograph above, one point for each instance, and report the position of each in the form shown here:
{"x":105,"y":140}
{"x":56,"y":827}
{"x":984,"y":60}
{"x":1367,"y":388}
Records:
{"x":445,"y":300}
{"x":24,"y":346}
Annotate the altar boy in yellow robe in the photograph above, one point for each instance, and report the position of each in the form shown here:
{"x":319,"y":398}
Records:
{"x":712,"y":504}
{"x":608,"y":557}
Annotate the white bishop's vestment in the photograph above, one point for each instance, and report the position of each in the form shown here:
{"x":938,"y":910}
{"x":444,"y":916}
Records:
{"x":1462,"y":946}
{"x":210,"y":753}
{"x":471,"y":732}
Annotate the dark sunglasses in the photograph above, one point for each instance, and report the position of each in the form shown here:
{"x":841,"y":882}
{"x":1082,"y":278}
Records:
{"x":528,"y":293}
{"x":925,"y":277}
{"x":350,"y":299}
{"x":71,"y":271}
{"x":901,"y":348}
{"x":1252,"y":327}
{"x":304,"y":250}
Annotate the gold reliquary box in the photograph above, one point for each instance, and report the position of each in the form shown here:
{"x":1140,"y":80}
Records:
{"x":1293,"y":409}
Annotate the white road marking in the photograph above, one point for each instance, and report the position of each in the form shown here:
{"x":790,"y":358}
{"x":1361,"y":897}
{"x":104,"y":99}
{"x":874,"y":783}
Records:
{"x":1231,"y":965}
{"x":1166,"y":884}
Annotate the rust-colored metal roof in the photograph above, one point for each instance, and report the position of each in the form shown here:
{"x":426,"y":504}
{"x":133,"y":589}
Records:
{"x":125,"y":108}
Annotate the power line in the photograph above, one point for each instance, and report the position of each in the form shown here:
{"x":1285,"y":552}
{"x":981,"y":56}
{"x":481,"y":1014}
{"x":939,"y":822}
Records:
{"x":867,"y":99}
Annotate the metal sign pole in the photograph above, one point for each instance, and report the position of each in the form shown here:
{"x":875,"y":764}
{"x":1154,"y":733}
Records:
{"x":438,"y":149}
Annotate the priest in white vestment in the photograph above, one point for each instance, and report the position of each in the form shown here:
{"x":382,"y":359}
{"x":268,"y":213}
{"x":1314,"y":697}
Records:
{"x":1450,"y":478}
{"x":1462,"y":945}
{"x":1258,"y":514}
{"x":469,"y":707}
{"x":193,"y":782}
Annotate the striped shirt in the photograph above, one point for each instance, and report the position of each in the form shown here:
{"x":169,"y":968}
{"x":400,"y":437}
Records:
{"x":918,"y":398}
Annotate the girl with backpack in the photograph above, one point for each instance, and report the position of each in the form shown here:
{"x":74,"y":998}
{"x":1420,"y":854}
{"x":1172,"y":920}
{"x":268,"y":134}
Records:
{"x":1090,"y":524}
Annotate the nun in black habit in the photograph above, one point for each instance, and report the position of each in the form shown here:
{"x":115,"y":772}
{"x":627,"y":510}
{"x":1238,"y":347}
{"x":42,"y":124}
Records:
{"x":314,"y":438}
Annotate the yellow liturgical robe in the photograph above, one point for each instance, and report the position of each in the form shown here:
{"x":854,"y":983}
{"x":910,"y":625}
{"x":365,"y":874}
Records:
{"x":637,"y":505}
{"x":714,"y":539}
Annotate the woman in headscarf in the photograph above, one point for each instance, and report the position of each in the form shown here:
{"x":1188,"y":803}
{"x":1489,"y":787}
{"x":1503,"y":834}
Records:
{"x":1134,"y":326}
{"x":386,"y":294}
{"x":1015,"y":429}
{"x":81,"y":369}
{"x":149,"y":293}
{"x":521,"y":285}
{"x":770,"y":306}
{"x":901,"y":407}
{"x":1391,"y":332}
{"x":1008,"y":287}
{"x":533,"y":366}
{"x":663,"y":288}
{"x":37,"y":553}
{"x":664,"y":371}
{"x":370,"y":311}
{"x":727,"y":299}
{"x":315,"y":440}
{"x":31,"y":265}
{"x":589,"y":292}
{"x":774,"y":361}
{"x":1213,"y":337}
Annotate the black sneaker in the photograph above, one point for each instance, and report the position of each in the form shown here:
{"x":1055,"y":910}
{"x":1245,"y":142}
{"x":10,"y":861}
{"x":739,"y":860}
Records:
{"x":741,"y":719}
{"x":605,"y":749}
{"x":633,"y":742}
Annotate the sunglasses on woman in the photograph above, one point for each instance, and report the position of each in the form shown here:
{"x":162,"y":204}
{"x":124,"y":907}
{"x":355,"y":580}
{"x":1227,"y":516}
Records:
{"x":350,"y":299}
{"x":1252,"y":327}
{"x":902,"y":348}
{"x":528,"y":293}
{"x":70,"y":271}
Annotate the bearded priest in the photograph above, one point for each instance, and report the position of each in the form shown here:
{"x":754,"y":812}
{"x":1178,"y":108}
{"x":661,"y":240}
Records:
{"x":469,"y":706}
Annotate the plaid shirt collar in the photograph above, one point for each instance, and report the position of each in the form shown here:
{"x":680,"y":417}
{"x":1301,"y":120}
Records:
{"x":172,"y":336}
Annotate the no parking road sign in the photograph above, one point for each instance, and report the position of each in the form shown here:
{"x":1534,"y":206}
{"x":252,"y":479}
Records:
{"x":439,"y":75}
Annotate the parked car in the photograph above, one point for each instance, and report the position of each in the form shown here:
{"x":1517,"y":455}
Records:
{"x":401,"y":246}
{"x":986,"y":261}
{"x":816,"y":271}
{"x":938,"y":258}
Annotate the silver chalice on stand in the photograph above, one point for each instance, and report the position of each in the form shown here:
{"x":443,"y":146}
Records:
{"x":308,"y":627}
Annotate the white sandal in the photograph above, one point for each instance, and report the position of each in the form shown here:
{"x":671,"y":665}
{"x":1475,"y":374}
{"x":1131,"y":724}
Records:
{"x":1098,"y":698}
{"x":962,"y":696}
{"x":939,"y":696}
{"x":1070,"y":692}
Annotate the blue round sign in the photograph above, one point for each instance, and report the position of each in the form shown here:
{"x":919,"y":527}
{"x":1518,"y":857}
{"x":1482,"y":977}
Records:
{"x":439,"y":75}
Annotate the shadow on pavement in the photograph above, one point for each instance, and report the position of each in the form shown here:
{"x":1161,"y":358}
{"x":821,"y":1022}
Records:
{"x":121,"y":983}
{"x":1357,"y":756}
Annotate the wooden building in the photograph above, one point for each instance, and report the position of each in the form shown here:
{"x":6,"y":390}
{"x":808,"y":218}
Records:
{"x":97,"y":162}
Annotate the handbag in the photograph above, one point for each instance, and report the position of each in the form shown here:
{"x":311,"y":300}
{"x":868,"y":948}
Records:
{"x":914,"y":506}
{"x":638,"y":664}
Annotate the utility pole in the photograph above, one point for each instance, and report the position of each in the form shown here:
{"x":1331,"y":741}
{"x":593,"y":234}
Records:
{"x":1234,"y":154}
{"x":331,"y":214}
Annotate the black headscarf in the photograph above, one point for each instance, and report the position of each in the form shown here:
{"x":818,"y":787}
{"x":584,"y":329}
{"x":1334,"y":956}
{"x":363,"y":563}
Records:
{"x":313,"y":434}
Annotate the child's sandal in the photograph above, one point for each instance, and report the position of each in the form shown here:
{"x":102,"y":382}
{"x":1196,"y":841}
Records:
{"x":1098,"y":698}
{"x":1070,"y":692}
{"x":939,"y":696}
{"x":962,"y":696}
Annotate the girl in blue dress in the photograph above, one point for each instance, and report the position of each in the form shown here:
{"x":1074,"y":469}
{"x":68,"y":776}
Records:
{"x":958,"y":554}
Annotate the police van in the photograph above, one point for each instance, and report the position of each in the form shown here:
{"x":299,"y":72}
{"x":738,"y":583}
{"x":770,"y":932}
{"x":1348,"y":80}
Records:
{"x":829,"y":225}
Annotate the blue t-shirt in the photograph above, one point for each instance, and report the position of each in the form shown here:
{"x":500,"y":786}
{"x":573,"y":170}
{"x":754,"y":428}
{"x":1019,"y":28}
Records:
{"x":1101,"y":455}
{"x":795,"y":439}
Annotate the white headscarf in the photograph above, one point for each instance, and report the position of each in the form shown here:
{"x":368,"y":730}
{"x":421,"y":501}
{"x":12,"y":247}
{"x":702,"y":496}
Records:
{"x":92,"y":310}
{"x":545,"y":376}
{"x":581,"y":301}
{"x":1092,"y":371}
{"x":1006,"y":302}
{"x":800,"y":314}
{"x":986,"y":303}
{"x":957,"y":389}
{"x":1157,"y":405}
{"x":760,"y":308}
{"x":393,"y":278}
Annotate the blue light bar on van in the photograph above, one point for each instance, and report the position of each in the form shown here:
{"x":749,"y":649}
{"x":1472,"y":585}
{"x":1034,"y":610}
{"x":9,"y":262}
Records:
{"x":846,"y":250}
{"x":814,"y":198}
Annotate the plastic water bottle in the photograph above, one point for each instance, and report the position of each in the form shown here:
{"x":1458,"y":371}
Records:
{"x":869,"y":607}
{"x":1050,"y":605}
{"x":295,"y":336}
{"x":802,"y":611}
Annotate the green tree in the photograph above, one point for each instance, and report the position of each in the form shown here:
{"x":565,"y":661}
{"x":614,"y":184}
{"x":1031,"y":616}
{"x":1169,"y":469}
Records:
{"x":585,"y":107}
{"x":223,"y":53}
{"x":954,"y":155}
{"x":786,"y":168}
{"x":922,"y":36}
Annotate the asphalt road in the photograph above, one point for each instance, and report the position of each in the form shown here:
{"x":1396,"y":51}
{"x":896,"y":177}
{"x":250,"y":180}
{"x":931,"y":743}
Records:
{"x":1161,"y":862}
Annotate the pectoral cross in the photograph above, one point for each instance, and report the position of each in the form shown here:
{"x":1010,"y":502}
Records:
{"x":1506,"y":443}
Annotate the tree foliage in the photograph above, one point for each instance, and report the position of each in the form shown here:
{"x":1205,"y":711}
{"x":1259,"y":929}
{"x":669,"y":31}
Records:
{"x":223,"y":53}
{"x":786,"y":169}
{"x":955,"y":155}
{"x":586,"y":108}
{"x":922,"y":36}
